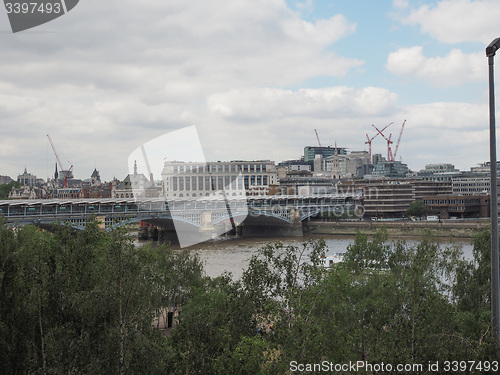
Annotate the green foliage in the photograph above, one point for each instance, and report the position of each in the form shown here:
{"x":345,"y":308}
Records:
{"x":6,"y":188}
{"x":417,"y":208}
{"x":85,"y":302}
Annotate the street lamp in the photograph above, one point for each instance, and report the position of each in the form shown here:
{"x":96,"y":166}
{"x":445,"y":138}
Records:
{"x":495,"y":276}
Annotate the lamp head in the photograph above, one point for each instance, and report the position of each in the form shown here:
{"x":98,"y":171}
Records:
{"x":492,"y":48}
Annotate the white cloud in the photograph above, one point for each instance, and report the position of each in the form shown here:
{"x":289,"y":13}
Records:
{"x":454,"y":69}
{"x":456,"y":21}
{"x":332,"y":102}
{"x":400,"y":4}
{"x":113,"y":74}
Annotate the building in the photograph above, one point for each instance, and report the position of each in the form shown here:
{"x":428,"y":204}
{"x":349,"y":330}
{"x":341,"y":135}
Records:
{"x":471,"y":184}
{"x":310,"y":152}
{"x":28,"y":179}
{"x":438,"y":172}
{"x":28,"y":192}
{"x":66,"y":193}
{"x":135,"y":186}
{"x":394,"y":169}
{"x":390,"y":198}
{"x":95,"y":179}
{"x":302,"y":185}
{"x":235,"y":178}
{"x":458,"y":206}
{"x":353,"y":165}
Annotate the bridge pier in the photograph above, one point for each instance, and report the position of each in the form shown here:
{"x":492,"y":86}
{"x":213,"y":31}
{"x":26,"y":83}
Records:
{"x":142,"y":233}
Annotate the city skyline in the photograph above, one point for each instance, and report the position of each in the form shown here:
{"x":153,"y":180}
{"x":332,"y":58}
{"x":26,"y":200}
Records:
{"x":256,"y":78}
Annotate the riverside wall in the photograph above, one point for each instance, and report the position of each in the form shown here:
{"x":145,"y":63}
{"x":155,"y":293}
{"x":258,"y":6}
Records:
{"x":445,"y":229}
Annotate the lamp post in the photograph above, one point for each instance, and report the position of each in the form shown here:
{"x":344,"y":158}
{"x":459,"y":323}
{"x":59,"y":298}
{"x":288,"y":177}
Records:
{"x":495,"y":276}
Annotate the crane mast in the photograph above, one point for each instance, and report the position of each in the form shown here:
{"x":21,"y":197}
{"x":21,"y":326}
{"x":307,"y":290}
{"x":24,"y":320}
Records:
{"x":317,"y":137}
{"x":66,"y":173}
{"x":399,"y":139}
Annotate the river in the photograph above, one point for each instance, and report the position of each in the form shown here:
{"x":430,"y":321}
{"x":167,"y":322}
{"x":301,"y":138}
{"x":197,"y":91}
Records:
{"x":232,"y":254}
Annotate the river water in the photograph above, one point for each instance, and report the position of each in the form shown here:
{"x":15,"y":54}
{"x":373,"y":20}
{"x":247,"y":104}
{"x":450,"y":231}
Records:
{"x":232,"y":254}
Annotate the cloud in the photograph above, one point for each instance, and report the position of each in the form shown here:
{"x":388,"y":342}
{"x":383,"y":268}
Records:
{"x":113,"y":74}
{"x":454,"y":69}
{"x":331,"y":102}
{"x":400,"y":4}
{"x":456,"y":21}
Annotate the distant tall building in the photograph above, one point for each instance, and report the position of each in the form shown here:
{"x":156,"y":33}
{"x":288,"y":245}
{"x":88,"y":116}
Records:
{"x":28,"y":179}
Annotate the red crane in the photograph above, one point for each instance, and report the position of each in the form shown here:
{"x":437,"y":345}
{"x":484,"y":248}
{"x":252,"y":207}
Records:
{"x":66,"y":173}
{"x":399,"y":139}
{"x":317,"y":137}
{"x":369,"y":141}
{"x":390,"y":156}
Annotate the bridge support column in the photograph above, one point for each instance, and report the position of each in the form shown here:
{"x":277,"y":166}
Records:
{"x":142,"y":233}
{"x":153,"y":233}
{"x":206,"y":222}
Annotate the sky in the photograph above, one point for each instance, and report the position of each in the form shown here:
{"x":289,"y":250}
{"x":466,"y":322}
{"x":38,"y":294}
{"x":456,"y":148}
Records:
{"x":256,"y":78}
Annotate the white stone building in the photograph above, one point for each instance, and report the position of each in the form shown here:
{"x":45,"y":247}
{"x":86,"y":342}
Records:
{"x":235,"y":178}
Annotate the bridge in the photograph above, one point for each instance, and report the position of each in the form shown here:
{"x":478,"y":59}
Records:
{"x":203,"y":213}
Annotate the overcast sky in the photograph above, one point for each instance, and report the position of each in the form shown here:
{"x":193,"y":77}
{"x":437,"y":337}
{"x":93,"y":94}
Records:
{"x":256,"y":77}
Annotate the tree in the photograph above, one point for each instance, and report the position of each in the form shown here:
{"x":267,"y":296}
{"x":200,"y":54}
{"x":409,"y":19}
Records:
{"x":417,"y":208}
{"x":6,"y":188}
{"x":85,"y":302}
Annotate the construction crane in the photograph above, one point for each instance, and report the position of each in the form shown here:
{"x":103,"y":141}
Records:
{"x":317,"y":137}
{"x":399,"y":139}
{"x":369,"y":140}
{"x":389,"y":142}
{"x":65,"y":172}
{"x":390,"y":155}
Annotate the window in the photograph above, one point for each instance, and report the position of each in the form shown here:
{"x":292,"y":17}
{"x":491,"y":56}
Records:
{"x":181,"y":183}
{"x":194,"y":183}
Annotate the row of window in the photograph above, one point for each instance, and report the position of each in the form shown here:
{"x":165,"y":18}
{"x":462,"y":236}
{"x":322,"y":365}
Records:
{"x":451,"y":201}
{"x":209,"y":183}
{"x":220,"y":168}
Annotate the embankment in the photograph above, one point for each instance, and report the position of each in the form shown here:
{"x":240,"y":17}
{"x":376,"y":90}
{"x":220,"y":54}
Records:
{"x":447,"y":229}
